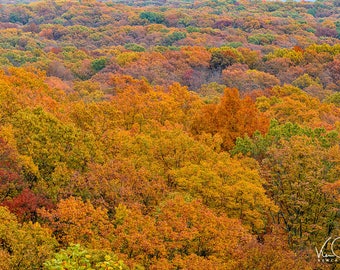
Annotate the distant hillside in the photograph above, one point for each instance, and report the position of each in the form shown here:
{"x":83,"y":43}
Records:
{"x":17,"y":1}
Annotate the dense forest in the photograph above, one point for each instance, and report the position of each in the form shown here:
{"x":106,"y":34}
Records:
{"x":169,"y":134}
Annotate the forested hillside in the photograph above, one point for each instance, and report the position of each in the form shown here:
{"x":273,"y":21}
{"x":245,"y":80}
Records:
{"x":169,"y":134}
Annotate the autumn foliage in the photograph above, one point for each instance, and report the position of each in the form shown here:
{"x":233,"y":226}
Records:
{"x":232,"y":117}
{"x":168,"y":134}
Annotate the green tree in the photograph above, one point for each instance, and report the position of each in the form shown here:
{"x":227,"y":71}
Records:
{"x":98,"y":64}
{"x":257,"y":145}
{"x":152,"y":17}
{"x":76,"y":257}
{"x":224,"y":57}
{"x":175,"y":36}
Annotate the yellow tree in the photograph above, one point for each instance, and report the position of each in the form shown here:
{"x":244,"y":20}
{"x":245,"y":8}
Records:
{"x":231,"y":186}
{"x":296,"y":172}
{"x":23,"y":246}
{"x":75,"y":221}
